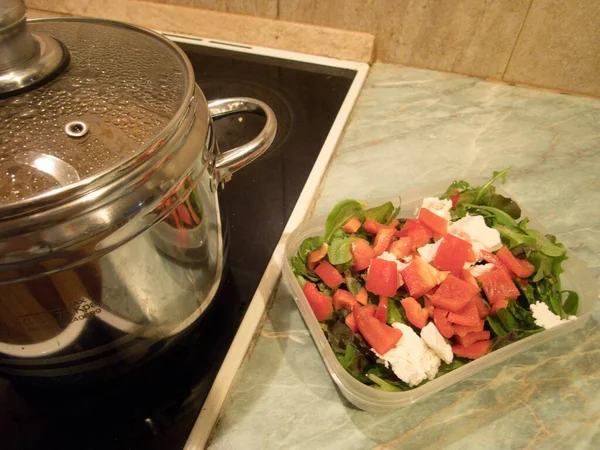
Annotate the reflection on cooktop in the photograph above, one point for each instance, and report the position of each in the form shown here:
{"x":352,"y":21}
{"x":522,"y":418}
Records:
{"x":155,"y":408}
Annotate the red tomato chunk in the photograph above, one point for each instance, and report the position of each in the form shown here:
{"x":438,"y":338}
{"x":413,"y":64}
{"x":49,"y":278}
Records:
{"x":474,"y":351}
{"x":382,"y":278}
{"x":415,"y":313}
{"x":419,"y":233}
{"x":419,"y":277}
{"x":329,"y":274}
{"x":435,"y":223}
{"x":378,"y":335}
{"x":362,"y":254}
{"x":452,"y":254}
{"x":320,"y":303}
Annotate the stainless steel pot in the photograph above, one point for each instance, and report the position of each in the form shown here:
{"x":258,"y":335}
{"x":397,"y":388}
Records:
{"x":110,"y":235}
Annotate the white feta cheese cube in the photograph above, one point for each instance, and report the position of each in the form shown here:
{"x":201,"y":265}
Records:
{"x":545,"y":318}
{"x":411,"y":359}
{"x":428,"y":251}
{"x":475,"y":230}
{"x":438,"y":206}
{"x":437,"y":343}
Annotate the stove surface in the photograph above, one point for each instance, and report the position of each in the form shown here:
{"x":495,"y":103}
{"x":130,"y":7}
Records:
{"x":155,"y":408}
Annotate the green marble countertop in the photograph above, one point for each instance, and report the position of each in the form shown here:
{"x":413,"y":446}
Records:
{"x":410,"y":127}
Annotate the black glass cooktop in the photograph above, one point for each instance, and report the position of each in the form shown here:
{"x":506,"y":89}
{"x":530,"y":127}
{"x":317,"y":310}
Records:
{"x":156,"y":407}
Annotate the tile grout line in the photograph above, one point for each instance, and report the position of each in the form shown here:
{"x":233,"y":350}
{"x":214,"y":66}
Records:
{"x":517,"y":39}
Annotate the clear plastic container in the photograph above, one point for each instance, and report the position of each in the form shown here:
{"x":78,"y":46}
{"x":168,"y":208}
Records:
{"x":576,"y":277}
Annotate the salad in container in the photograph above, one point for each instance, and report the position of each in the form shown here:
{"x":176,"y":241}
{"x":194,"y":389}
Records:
{"x":404,"y":300}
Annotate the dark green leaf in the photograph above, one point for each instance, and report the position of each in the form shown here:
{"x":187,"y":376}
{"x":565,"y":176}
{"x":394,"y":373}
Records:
{"x":338,"y":234}
{"x":339,"y":251}
{"x":545,"y":245}
{"x":500,"y":216}
{"x":527,"y":292}
{"x":301,"y":281}
{"x":393,"y":313}
{"x":524,"y":317}
{"x":571,"y":303}
{"x":309,"y":245}
{"x":512,"y":336}
{"x":455,"y":364}
{"x":395,"y":212}
{"x":508,"y":205}
{"x":380,"y":213}
{"x":324,"y":289}
{"x":485,"y":189}
{"x":385,"y":385}
{"x":344,"y":267}
{"x":507,"y":319}
{"x":342,"y":213}
{"x":556,"y":305}
{"x":542,"y":264}
{"x":496,"y":325}
{"x":299,"y":269}
{"x":352,"y":284}
{"x":514,"y":236}
{"x":349,"y":356}
{"x":523,"y":223}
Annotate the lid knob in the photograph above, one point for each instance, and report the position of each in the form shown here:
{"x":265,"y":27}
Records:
{"x":26,"y":59}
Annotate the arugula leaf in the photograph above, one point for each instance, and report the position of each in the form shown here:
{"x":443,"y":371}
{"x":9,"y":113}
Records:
{"x":496,"y":325}
{"x":556,"y":305}
{"x":511,"y":323}
{"x":514,"y":236}
{"x":309,"y":245}
{"x":571,"y":303}
{"x":299,"y":269}
{"x":301,"y":281}
{"x":455,"y":364}
{"x":500,"y":216}
{"x":393,"y":313}
{"x":395,"y":212}
{"x":380,"y":213}
{"x":527,"y":292}
{"x":342,"y":213}
{"x":349,"y":356}
{"x":460,"y":185}
{"x":338,"y":333}
{"x":488,"y":186}
{"x":545,"y":245}
{"x":352,"y":284}
{"x":512,"y":336}
{"x":508,"y":205}
{"x":324,"y":288}
{"x":339,"y":250}
{"x":542,"y":264}
{"x":386,"y":385}
{"x":401,"y":312}
{"x":507,"y":319}
{"x":524,"y":317}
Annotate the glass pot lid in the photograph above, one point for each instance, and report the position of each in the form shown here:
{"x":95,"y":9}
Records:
{"x":122,"y":93}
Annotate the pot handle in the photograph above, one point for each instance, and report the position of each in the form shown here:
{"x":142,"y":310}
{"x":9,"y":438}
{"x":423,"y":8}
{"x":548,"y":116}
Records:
{"x":232,"y":160}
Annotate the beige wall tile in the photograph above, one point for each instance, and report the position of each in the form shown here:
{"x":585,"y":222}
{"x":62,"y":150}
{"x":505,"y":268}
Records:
{"x":342,"y":44}
{"x":39,"y":14}
{"x":474,"y":37}
{"x":466,"y":36}
{"x":260,"y":8}
{"x":559,"y":47}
